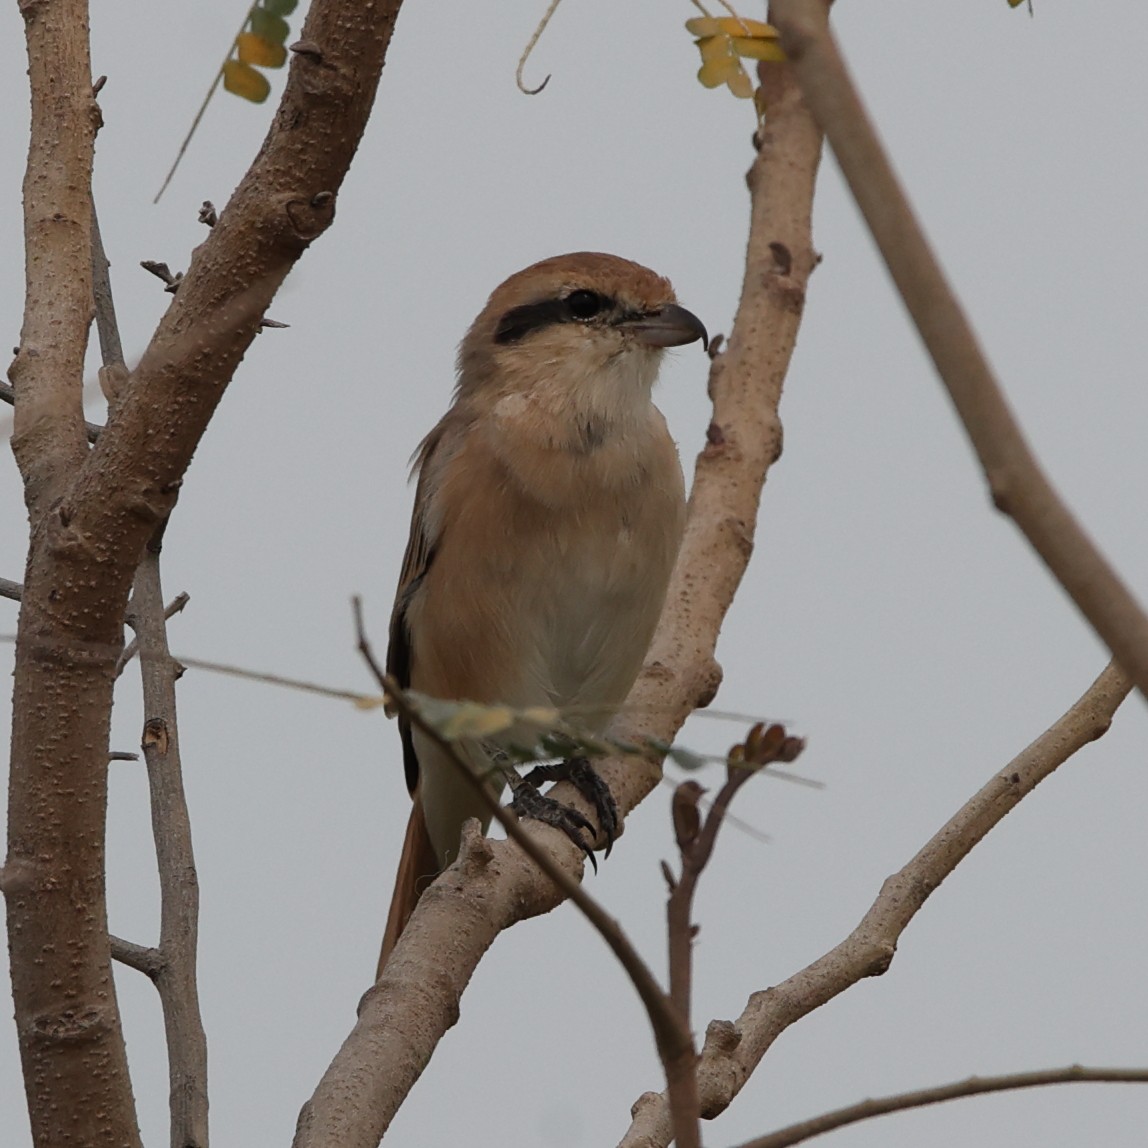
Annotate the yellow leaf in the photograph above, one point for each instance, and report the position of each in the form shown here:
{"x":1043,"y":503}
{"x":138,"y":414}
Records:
{"x":740,"y":85}
{"x":243,"y":80}
{"x":729,"y":26}
{"x":716,"y":48}
{"x":254,"y":49}
{"x":758,"y":49}
{"x":720,"y":65}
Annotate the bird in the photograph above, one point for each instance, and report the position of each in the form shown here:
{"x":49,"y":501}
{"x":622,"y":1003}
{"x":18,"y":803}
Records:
{"x":548,"y":513}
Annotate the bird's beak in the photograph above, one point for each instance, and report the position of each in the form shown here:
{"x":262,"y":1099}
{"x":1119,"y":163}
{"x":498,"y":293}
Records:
{"x":669,"y":326}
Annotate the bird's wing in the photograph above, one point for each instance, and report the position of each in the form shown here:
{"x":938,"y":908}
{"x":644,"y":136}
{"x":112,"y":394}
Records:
{"x":417,"y":561}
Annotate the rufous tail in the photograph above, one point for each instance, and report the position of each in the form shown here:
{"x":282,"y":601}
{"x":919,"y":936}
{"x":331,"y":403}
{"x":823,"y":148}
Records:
{"x":418,"y":867}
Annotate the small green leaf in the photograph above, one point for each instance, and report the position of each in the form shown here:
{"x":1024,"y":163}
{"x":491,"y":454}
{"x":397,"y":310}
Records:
{"x":279,"y":7}
{"x":269,"y":26}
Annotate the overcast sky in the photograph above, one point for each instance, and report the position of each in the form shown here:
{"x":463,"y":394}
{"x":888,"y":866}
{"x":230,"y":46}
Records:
{"x":889,"y":614}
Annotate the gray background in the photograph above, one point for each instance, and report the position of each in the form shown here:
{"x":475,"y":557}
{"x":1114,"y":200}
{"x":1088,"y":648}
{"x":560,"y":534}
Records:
{"x":888,"y":613}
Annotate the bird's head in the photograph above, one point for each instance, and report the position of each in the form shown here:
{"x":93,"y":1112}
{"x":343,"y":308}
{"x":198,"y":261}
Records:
{"x":585,"y":330}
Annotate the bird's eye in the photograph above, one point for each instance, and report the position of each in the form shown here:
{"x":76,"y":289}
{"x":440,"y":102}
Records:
{"x":586,"y":304}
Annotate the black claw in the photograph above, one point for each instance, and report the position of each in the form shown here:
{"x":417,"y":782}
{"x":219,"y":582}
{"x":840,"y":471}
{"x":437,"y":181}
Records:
{"x":586,"y":780}
{"x":582,"y":775}
{"x":528,"y":802}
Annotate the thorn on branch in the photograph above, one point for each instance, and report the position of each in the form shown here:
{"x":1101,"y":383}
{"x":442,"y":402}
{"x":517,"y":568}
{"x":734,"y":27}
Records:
{"x":122,"y":755}
{"x":162,"y":271}
{"x":308,"y":49}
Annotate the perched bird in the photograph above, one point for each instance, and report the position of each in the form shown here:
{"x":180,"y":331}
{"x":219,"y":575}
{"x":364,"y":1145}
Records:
{"x":547,"y":517}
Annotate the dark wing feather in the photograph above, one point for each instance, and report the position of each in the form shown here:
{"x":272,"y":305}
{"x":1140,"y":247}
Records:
{"x":416,"y":562}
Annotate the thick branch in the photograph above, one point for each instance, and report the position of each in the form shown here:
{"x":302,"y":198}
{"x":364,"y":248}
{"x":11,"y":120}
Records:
{"x":733,"y":1050}
{"x":93,"y":512}
{"x":48,"y":437}
{"x":71,"y":1043}
{"x":973,"y":1086}
{"x":1018,"y":486}
{"x":492,"y":885}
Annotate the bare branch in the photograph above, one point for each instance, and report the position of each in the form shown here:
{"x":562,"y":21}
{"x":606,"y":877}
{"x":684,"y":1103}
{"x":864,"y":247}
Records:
{"x":696,"y":840}
{"x":143,"y":958}
{"x":8,"y":395}
{"x":132,"y":648}
{"x":48,"y":437}
{"x":973,"y":1086}
{"x":10,"y":589}
{"x":175,"y":977}
{"x":733,"y":1050}
{"x":71,"y":1040}
{"x":1018,"y":486}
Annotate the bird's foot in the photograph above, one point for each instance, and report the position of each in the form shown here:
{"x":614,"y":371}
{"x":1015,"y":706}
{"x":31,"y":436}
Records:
{"x":582,"y":775}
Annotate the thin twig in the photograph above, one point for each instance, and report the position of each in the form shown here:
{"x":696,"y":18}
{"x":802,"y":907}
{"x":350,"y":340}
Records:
{"x":199,"y":114}
{"x":1018,"y":486}
{"x":132,"y":648}
{"x":365,"y":701}
{"x":10,"y":589}
{"x":696,"y":839}
{"x":973,"y":1086}
{"x":143,"y":958}
{"x":179,"y":886}
{"x":541,"y":27}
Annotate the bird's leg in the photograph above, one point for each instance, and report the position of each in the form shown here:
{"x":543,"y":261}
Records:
{"x":582,"y":775}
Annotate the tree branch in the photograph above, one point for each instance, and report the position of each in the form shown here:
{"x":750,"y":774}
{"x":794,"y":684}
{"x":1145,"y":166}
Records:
{"x":973,"y":1086}
{"x":175,"y":978}
{"x":493,"y":885}
{"x":696,"y":840}
{"x":1018,"y":486}
{"x":133,"y":647}
{"x":92,"y":512}
{"x":47,"y":437}
{"x":733,"y":1050}
{"x":143,"y":958}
